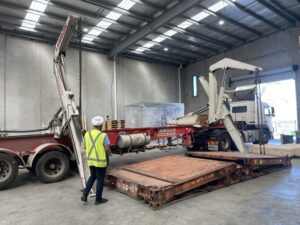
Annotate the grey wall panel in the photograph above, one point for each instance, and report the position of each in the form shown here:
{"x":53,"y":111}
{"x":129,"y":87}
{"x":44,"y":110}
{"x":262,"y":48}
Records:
{"x":97,"y":85}
{"x":32,"y":96}
{"x":2,"y":79}
{"x":22,"y":84}
{"x":50,"y":101}
{"x":140,"y":81}
{"x":270,"y":53}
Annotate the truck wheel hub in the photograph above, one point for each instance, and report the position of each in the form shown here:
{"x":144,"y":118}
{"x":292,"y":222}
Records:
{"x":53,"y":167}
{"x":5,"y":170}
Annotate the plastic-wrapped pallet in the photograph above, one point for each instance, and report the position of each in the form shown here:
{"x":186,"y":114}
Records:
{"x":146,"y":114}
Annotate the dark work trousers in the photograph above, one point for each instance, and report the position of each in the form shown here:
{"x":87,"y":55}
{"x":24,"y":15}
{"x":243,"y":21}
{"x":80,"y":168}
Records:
{"x":99,"y":175}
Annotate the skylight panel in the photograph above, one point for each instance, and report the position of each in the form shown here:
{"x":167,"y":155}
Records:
{"x":104,"y":24}
{"x":159,"y":39}
{"x":32,"y":17}
{"x":218,"y":6}
{"x":185,"y":24}
{"x":88,"y":38}
{"x":126,"y":4}
{"x":113,"y":15}
{"x":39,"y":5}
{"x":28,"y":24}
{"x":139,"y":49}
{"x":95,"y":32}
{"x":170,"y":33}
{"x":148,"y":45}
{"x":200,"y":16}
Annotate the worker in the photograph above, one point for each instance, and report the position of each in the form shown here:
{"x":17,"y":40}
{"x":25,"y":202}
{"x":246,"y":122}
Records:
{"x":97,"y":150}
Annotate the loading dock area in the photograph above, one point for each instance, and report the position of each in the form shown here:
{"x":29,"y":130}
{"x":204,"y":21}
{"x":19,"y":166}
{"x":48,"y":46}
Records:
{"x":270,"y":199}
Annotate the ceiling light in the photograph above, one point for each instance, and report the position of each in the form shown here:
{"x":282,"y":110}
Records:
{"x":104,"y":24}
{"x":85,"y":30}
{"x":218,"y":6}
{"x":39,"y":5}
{"x":221,"y":22}
{"x":148,"y":45}
{"x":170,"y":33}
{"x":200,"y":16}
{"x":159,"y":39}
{"x":28,"y":24}
{"x":113,"y":15}
{"x":32,"y":17}
{"x":95,"y":32}
{"x":140,"y":49}
{"x":126,"y":4}
{"x":185,"y":24}
{"x":166,"y":49}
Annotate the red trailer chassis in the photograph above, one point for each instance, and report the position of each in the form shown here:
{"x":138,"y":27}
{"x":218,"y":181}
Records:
{"x":46,"y":155}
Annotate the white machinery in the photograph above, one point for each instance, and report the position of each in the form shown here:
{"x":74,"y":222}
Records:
{"x":218,"y":110}
{"x":71,"y":116}
{"x":244,"y":107}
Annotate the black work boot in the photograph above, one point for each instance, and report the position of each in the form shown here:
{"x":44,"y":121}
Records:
{"x":101,"y":201}
{"x":84,"y":198}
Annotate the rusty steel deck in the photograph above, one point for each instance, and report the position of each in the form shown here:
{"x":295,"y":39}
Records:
{"x":159,"y":181}
{"x":251,"y":159}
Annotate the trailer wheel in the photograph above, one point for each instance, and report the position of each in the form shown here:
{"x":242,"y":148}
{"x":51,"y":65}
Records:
{"x":225,"y":142}
{"x":52,"y":167}
{"x":8,"y":170}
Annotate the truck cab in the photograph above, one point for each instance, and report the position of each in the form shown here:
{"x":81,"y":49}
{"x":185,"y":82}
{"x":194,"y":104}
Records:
{"x":245,"y":110}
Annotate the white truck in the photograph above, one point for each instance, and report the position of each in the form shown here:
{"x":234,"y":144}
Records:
{"x":245,"y":108}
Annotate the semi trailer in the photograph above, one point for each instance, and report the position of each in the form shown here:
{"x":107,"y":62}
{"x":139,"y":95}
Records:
{"x":48,"y":154}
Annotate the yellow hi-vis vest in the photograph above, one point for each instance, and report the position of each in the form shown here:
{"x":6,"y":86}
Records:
{"x":94,"y":146}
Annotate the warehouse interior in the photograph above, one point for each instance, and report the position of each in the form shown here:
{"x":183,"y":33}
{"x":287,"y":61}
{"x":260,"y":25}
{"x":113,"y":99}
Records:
{"x":134,"y":61}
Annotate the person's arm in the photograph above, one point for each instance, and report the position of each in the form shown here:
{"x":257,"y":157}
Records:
{"x":83,"y":145}
{"x":106,"y":145}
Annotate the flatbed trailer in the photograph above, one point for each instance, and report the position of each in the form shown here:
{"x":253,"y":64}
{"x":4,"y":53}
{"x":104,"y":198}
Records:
{"x":49,"y":157}
{"x":165,"y":180}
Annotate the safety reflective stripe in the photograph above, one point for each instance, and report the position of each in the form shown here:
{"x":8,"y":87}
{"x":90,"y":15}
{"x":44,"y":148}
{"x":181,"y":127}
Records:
{"x":96,"y":160}
{"x":93,"y":146}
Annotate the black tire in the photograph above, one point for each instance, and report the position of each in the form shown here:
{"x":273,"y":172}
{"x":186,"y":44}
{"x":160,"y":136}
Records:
{"x":265,"y":137}
{"x":52,"y":167}
{"x":225,"y":142}
{"x":8,"y":170}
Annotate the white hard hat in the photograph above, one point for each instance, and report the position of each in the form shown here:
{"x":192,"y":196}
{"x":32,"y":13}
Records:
{"x":97,"y":120}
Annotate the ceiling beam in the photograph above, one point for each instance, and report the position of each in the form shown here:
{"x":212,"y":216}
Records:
{"x":111,"y":7}
{"x":176,"y":47}
{"x":277,"y":11}
{"x":60,"y":18}
{"x":154,"y":25}
{"x":158,"y":55}
{"x":200,"y":36}
{"x":188,"y":42}
{"x":285,"y":10}
{"x":207,"y":26}
{"x":49,"y":38}
{"x":215,"y":29}
{"x":232,"y":21}
{"x":9,"y":20}
{"x":167,"y":54}
{"x":89,"y":14}
{"x":253,"y":14}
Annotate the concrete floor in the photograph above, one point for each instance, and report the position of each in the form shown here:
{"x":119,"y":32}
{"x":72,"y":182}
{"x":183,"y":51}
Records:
{"x":270,"y":199}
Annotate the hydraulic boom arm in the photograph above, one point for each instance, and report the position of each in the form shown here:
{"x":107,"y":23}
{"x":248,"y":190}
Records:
{"x":217,"y":108}
{"x":71,"y":113}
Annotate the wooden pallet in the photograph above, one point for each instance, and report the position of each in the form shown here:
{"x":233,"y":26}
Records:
{"x":114,"y":124}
